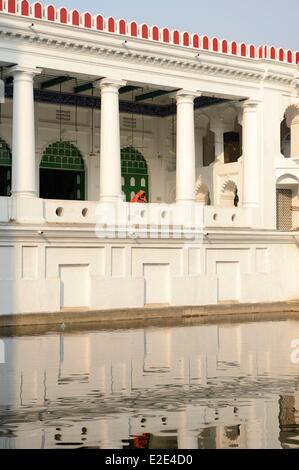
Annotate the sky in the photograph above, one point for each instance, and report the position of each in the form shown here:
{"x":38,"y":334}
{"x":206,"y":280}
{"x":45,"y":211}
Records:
{"x":272,"y":22}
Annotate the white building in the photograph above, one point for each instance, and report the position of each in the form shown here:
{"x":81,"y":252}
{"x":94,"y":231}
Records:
{"x":96,"y":109}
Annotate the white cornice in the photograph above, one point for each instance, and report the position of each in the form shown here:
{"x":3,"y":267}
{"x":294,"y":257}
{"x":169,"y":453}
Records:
{"x":82,"y":235}
{"x":103,"y":45}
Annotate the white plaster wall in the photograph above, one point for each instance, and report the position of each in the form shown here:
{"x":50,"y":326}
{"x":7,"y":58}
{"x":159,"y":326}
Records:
{"x":43,"y":274}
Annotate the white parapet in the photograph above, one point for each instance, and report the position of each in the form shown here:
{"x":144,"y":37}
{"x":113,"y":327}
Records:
{"x":155,"y":217}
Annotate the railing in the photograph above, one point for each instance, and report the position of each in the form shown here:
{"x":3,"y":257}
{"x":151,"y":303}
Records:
{"x":227,"y":217}
{"x":70,"y":212}
{"x":162,"y":218}
{"x":149,"y":216}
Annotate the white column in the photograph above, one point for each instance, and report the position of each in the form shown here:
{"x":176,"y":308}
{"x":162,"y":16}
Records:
{"x":251,"y":176}
{"x":23,"y":138}
{"x":293,"y":123}
{"x":110,"y":162}
{"x":185,"y":168}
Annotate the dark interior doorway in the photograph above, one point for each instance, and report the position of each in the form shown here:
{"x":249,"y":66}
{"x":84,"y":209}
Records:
{"x":62,"y":172}
{"x":232,"y":147}
{"x":61,"y":184}
{"x":5,"y":180}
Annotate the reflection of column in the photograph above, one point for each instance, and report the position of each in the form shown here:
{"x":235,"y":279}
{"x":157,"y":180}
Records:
{"x":250,"y":155}
{"x":23,"y":146}
{"x":110,"y":164}
{"x":254,"y":435}
{"x":157,"y":349}
{"x":187,"y":439}
{"x":185,"y":170}
{"x":293,"y":122}
{"x":287,"y":419}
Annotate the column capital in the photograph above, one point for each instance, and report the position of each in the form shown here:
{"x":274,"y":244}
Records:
{"x":250,"y":105}
{"x":23,"y":69}
{"x":187,"y":96}
{"x":111,"y":83}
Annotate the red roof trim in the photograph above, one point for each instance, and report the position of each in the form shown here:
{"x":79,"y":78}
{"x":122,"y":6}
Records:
{"x":144,"y":32}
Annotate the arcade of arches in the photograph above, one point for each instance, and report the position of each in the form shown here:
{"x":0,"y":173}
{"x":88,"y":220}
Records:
{"x":63,"y":173}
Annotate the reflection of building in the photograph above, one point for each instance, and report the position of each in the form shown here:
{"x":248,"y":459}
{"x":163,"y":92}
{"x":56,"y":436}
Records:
{"x":198,"y":387}
{"x":289,"y":421}
{"x":100,"y":109}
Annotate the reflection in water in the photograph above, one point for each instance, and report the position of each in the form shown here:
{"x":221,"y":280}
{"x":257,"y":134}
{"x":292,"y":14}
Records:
{"x":206,"y":386}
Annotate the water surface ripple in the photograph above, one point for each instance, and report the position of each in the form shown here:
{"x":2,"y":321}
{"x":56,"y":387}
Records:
{"x":201,"y":386}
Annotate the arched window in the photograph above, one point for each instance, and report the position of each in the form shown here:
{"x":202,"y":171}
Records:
{"x":5,"y":168}
{"x":134,"y":172}
{"x":62,"y":172}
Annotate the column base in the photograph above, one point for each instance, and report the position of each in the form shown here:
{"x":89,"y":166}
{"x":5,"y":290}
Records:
{"x":26,"y":209}
{"x":25,"y":194}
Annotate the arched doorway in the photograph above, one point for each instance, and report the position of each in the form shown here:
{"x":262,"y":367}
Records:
{"x":62,"y":172}
{"x":134,"y":173}
{"x":284,"y":209}
{"x":287,"y":197}
{"x":5,"y":169}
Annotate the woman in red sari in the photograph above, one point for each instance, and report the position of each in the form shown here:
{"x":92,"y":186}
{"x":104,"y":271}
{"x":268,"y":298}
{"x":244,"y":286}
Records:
{"x":140,"y":198}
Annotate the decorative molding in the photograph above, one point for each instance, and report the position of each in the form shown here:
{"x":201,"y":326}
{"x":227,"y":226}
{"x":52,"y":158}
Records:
{"x":292,"y":114}
{"x":229,"y":186}
{"x":206,"y":66}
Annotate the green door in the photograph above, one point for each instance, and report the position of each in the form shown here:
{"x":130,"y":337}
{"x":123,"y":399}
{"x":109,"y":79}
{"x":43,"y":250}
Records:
{"x":134,"y":172}
{"x":62,"y":173}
